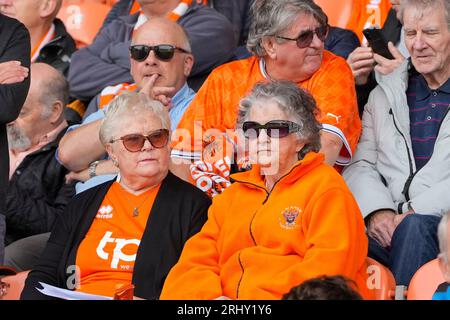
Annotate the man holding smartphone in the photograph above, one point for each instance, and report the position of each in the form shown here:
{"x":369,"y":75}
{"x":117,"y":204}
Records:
{"x":400,"y":174}
{"x":363,"y":60}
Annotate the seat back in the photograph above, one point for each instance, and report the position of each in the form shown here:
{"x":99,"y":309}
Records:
{"x":338,"y":12}
{"x":83,"y":19}
{"x":425,"y":281}
{"x":381,"y":281}
{"x":14,"y":285}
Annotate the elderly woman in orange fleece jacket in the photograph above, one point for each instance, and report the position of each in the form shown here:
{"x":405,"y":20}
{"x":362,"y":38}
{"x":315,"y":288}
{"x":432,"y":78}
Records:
{"x":289,"y":219}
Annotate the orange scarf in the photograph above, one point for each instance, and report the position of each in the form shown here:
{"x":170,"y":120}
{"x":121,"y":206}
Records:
{"x":176,"y":13}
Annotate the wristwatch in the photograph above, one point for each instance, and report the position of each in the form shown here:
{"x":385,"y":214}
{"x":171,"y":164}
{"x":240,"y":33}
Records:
{"x":92,"y":168}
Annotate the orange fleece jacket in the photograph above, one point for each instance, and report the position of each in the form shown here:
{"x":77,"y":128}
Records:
{"x":258,"y":245}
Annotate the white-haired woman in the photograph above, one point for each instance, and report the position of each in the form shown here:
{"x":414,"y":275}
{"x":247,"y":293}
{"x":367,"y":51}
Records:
{"x":130,"y":230}
{"x":289,"y":219}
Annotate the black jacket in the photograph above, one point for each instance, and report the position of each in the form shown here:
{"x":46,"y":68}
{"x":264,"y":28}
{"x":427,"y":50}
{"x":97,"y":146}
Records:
{"x":14,"y":45}
{"x":58,"y":52}
{"x":179,"y":212}
{"x":37,"y":194}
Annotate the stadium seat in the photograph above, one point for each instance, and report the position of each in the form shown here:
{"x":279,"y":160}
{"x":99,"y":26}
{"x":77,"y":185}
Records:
{"x":338,"y":12}
{"x":425,"y":281}
{"x":13,"y":286}
{"x":83,"y":19}
{"x":380,"y":281}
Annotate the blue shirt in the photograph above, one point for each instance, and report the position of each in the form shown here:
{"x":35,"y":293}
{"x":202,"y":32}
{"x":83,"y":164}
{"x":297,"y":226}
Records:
{"x":180,"y":102}
{"x":427,"y":109}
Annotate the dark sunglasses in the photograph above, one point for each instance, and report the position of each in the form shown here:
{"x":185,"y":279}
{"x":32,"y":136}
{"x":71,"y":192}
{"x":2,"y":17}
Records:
{"x":274,"y":128}
{"x":165,"y":52}
{"x":306,"y":37}
{"x":134,"y":142}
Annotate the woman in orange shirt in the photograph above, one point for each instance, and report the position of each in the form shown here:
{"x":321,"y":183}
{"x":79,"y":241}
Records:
{"x":130,"y":230}
{"x":289,"y":219}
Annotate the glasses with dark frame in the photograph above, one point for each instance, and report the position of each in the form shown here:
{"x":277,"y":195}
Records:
{"x":164,"y":52}
{"x":306,"y":37}
{"x":135,"y":142}
{"x":274,"y":128}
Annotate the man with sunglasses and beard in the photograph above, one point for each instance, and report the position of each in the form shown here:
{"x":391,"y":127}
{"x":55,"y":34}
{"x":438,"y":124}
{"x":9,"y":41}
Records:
{"x":161,"y":61}
{"x":130,"y":230}
{"x":287,"y":38}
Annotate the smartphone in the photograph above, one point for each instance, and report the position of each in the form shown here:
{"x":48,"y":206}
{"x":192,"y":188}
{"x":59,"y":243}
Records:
{"x":377,"y":42}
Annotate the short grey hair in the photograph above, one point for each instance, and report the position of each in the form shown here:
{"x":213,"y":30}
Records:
{"x":425,"y":4}
{"x":273,"y":17}
{"x":295,"y":102}
{"x":186,"y":41}
{"x":52,"y":89}
{"x":130,"y":104}
{"x":443,"y":235}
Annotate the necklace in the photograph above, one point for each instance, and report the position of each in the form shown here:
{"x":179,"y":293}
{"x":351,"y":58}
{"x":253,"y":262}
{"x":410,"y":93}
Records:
{"x":136,"y":208}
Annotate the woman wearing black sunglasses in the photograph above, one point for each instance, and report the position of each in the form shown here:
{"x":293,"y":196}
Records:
{"x":287,"y":40}
{"x":290,"y":218}
{"x":130,"y":230}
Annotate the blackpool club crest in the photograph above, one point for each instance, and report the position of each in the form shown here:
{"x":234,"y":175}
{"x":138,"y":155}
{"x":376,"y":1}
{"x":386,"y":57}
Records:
{"x":288,"y":218}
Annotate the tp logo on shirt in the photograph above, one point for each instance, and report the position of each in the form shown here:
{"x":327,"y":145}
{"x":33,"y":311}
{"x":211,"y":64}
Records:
{"x":117,"y":254}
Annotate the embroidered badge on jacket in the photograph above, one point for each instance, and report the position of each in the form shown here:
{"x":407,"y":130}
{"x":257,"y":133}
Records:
{"x":288,"y":218}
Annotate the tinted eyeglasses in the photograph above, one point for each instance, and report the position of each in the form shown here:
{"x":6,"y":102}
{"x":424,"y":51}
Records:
{"x":165,"y":52}
{"x":306,"y":37}
{"x":134,"y":142}
{"x":274,"y":128}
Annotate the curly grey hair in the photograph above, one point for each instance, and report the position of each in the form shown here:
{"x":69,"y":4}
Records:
{"x":296,"y":103}
{"x":273,"y":17}
{"x":130,"y":104}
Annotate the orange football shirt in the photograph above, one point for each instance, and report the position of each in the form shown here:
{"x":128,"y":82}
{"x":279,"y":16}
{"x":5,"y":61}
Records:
{"x":217,"y":102}
{"x":106,"y":255}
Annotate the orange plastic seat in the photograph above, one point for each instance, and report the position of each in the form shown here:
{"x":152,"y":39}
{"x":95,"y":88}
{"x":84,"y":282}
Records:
{"x":425,"y":281}
{"x":83,"y":19}
{"x":338,"y":12}
{"x":14,"y":285}
{"x":381,"y":280}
